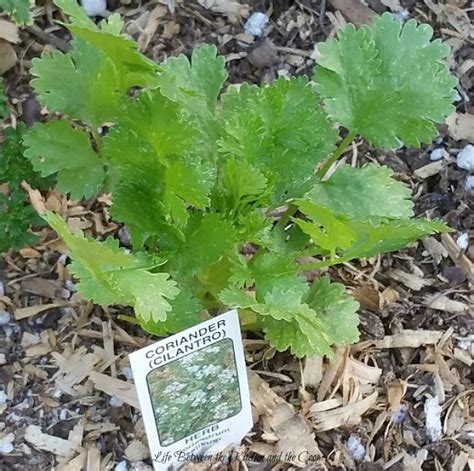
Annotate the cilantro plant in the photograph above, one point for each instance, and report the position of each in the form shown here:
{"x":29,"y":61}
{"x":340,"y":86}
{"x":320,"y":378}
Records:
{"x":3,"y":100}
{"x":16,"y":214}
{"x":18,"y":10}
{"x":226,"y":191}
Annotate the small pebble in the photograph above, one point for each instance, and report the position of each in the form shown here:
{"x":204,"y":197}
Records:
{"x":140,"y":466}
{"x":355,"y":447}
{"x":401,"y":15}
{"x":94,"y":7}
{"x":124,"y":236}
{"x":127,"y":372}
{"x":399,"y":415}
{"x":433,"y":418}
{"x":437,"y":154}
{"x":122,"y":466}
{"x":3,"y":398}
{"x":6,"y":444}
{"x":62,"y":260}
{"x":469,"y":183}
{"x":4,"y":317}
{"x":465,"y":158}
{"x":463,"y":241}
{"x":63,"y":414}
{"x":256,"y":24}
{"x":464,"y":343}
{"x":70,"y":286}
{"x":115,"y":401}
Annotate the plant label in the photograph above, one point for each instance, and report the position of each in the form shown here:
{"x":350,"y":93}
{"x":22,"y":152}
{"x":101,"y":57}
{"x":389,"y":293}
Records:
{"x":193,"y":392}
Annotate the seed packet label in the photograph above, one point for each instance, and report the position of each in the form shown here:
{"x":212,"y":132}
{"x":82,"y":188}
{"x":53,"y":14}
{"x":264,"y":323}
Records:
{"x":193,"y":392}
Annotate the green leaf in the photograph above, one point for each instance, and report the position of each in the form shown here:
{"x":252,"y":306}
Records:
{"x":326,"y":229}
{"x":346,"y":238}
{"x":3,"y":100}
{"x":18,"y":10}
{"x":336,"y":310}
{"x":328,"y":317}
{"x":88,"y":82}
{"x":57,"y":148}
{"x":271,"y":271}
{"x":185,"y":313}
{"x":234,"y":297}
{"x":83,"y":84}
{"x":133,"y":68}
{"x":304,"y":336}
{"x":363,"y":193}
{"x":387,"y":82}
{"x":308,"y":321}
{"x":207,"y":240}
{"x":194,"y":83}
{"x":186,"y":184}
{"x":76,"y":13}
{"x":109,"y":275}
{"x":388,"y":236}
{"x":16,"y":214}
{"x":157,"y":121}
{"x":241,"y":187}
{"x":279,"y":129}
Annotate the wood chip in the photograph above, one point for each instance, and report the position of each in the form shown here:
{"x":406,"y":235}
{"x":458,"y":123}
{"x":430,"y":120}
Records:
{"x":151,"y":26}
{"x":36,"y":198}
{"x":93,"y":459}
{"x":137,"y":451}
{"x":116,"y":387}
{"x":435,"y":249}
{"x":9,"y":32}
{"x":38,"y":350}
{"x":344,"y":416}
{"x":429,"y":170}
{"x":76,"y":464}
{"x":412,"y":281}
{"x":368,"y":296}
{"x":461,"y":126}
{"x":458,"y":257}
{"x":44,"y":442}
{"x":28,"y":252}
{"x":355,"y":11}
{"x":440,"y":302}
{"x":395,"y":393}
{"x":25,"y":312}
{"x":8,"y":57}
{"x":234,"y":10}
{"x":293,"y":433}
{"x":41,"y":287}
{"x":313,"y":371}
{"x":109,"y":346}
{"x":77,"y":433}
{"x":408,"y":338}
{"x":73,"y":369}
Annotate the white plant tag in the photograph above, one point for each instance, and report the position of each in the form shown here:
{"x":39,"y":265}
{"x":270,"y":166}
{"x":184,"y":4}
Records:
{"x":193,"y":392}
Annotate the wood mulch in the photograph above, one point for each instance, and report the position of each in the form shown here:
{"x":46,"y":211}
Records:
{"x":400,"y":399}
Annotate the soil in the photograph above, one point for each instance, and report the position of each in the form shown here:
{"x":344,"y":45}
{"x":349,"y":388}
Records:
{"x":425,"y":289}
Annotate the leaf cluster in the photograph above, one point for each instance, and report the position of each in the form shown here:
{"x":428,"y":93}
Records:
{"x":18,"y":10}
{"x":16,"y":215}
{"x":199,"y":174}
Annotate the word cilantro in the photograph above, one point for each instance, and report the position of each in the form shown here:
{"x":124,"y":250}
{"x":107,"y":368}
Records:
{"x":199,"y":175}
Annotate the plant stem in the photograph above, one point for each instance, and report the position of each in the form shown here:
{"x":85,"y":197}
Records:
{"x":336,"y":154}
{"x":323,"y":263}
{"x":285,"y":217}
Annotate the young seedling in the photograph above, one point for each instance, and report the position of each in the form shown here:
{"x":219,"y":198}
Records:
{"x":199,"y":175}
